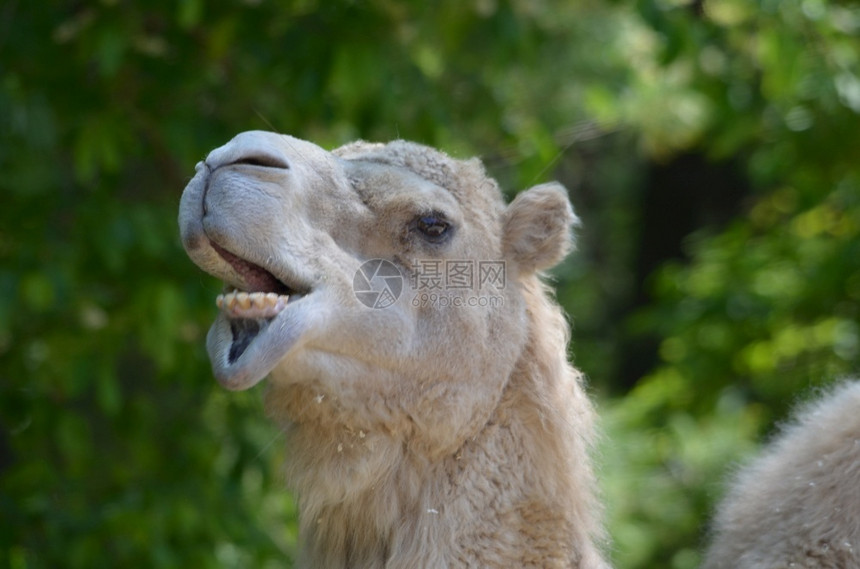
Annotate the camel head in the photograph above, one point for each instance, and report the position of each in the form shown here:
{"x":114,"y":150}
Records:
{"x":384,"y":281}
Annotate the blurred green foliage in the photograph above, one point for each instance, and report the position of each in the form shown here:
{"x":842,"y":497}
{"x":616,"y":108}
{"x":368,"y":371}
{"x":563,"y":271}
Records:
{"x":116,"y":447}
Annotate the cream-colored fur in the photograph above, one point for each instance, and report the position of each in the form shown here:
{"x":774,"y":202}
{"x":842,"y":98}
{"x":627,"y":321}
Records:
{"x":420,"y":434}
{"x":798,"y":504}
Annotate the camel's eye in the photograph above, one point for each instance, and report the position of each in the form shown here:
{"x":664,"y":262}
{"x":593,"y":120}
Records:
{"x":433,"y":227}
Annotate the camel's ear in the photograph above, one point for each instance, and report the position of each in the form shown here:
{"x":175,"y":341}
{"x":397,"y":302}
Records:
{"x":537,"y":228}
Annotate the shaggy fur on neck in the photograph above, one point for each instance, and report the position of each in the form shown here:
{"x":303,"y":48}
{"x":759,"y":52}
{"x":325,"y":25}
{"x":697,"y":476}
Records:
{"x":518,"y":492}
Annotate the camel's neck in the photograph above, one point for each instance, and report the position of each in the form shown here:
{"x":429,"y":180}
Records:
{"x":383,"y":515}
{"x":359,"y":488}
{"x":517,"y":493}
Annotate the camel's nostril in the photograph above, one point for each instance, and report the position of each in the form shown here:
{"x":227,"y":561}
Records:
{"x":264,"y":161}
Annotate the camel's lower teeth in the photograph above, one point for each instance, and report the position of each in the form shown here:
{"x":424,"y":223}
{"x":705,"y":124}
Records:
{"x":252,"y":304}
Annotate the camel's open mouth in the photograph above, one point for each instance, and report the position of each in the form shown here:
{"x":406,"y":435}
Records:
{"x":254,"y":330}
{"x":249,"y":315}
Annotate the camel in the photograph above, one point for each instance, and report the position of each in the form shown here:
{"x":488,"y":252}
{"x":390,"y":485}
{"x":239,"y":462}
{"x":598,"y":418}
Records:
{"x":415,"y":358}
{"x":798,"y":503}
